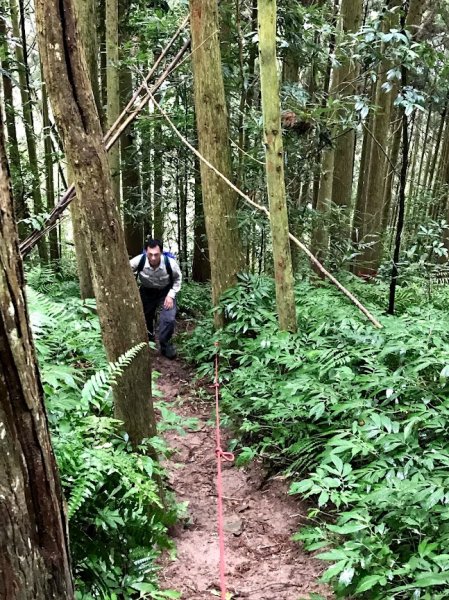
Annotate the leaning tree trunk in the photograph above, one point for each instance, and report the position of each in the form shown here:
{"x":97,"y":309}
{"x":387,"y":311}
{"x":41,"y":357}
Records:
{"x":28,"y":119}
{"x":274,"y":157}
{"x":219,"y":200}
{"x":34,"y":549}
{"x":118,"y":303}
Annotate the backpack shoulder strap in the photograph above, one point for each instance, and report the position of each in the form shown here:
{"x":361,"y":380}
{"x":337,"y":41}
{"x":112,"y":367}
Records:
{"x":169,"y":269}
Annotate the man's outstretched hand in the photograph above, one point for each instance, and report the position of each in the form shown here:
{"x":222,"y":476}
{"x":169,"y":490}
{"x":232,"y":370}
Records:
{"x":168,"y":303}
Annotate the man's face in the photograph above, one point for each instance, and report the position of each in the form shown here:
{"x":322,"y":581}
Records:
{"x":154,"y":256}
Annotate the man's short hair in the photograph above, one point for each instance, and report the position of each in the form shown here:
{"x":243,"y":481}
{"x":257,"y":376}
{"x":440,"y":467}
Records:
{"x":153,"y":243}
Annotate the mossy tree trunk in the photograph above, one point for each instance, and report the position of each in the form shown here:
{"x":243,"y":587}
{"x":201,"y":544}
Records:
{"x":118,"y":303}
{"x":219,"y":200}
{"x":274,"y":157}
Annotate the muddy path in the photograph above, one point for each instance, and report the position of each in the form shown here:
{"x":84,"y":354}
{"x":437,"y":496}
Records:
{"x":260,"y":518}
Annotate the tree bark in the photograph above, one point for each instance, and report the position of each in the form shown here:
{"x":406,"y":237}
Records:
{"x":34,"y":552}
{"x":118,"y":303}
{"x":351,"y":17}
{"x":219,"y":200}
{"x":274,"y":156}
{"x":85,"y":13}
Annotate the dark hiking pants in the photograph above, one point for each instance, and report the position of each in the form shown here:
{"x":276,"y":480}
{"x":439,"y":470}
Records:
{"x":151,"y":299}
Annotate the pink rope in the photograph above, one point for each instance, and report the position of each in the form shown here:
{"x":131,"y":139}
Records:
{"x":227,"y":456}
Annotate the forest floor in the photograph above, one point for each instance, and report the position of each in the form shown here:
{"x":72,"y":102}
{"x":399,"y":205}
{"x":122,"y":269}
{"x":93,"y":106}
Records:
{"x":260,"y":518}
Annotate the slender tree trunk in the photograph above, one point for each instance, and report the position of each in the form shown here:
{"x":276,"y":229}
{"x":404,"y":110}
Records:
{"x":391,"y":170}
{"x":113,"y":88}
{"x":34,"y":549}
{"x":351,"y":17}
{"x":274,"y":156}
{"x":131,"y":185}
{"x":424,"y":148}
{"x":201,"y":263}
{"x":401,"y":207}
{"x":49,"y":175}
{"x":320,"y":233}
{"x":18,"y":184}
{"x":158,"y":167}
{"x":18,"y":27}
{"x":118,"y":303}
{"x":219,"y":200}
{"x":101,"y":30}
{"x":88,"y":38}
{"x":432,"y":162}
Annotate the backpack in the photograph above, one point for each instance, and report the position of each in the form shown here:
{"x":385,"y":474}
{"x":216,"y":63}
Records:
{"x":167,"y":256}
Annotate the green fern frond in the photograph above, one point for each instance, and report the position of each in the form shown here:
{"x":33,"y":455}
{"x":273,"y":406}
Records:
{"x":99,"y":385}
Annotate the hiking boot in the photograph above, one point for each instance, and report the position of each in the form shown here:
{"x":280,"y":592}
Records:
{"x":169,"y":351}
{"x":151,"y":337}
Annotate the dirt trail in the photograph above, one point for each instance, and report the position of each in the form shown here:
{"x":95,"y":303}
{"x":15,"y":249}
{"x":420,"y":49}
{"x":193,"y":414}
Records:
{"x":262,"y":561}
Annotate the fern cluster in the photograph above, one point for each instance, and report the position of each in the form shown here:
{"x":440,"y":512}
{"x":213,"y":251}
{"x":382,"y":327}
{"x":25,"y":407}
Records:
{"x":357,"y":417}
{"x":117,"y":523}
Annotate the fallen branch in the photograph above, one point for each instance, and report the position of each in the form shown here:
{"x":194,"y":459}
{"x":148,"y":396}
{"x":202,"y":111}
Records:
{"x":111,"y":136}
{"x":261,"y":208}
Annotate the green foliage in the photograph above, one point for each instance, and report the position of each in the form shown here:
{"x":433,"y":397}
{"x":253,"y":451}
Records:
{"x":362,"y":414}
{"x":118,"y":524}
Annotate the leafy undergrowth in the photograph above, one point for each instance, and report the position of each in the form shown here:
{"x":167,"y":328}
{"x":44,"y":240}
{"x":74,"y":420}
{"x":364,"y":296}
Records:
{"x":357,"y":417}
{"x":117,"y":524}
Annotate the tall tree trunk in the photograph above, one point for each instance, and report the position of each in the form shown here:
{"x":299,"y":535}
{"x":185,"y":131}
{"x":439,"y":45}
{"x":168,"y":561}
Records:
{"x":18,"y":27}
{"x":86,"y":12}
{"x":274,"y":156}
{"x":351,"y":17}
{"x":113,"y":88}
{"x":34,"y":549}
{"x":372,"y":253}
{"x":393,"y":156}
{"x":320,"y":233}
{"x":118,"y":303}
{"x":219,"y":200}
{"x":133,"y":221}
{"x":18,"y":184}
{"x":201,"y":263}
{"x":88,"y":38}
{"x":49,"y":174}
{"x":158,"y":167}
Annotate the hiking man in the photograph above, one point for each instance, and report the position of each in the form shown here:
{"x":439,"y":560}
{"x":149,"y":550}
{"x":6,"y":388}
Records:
{"x":160,"y":279}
